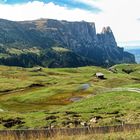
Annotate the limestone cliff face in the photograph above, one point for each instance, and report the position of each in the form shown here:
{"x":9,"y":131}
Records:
{"x":79,"y":37}
{"x":114,"y":53}
{"x":73,"y":35}
{"x":107,"y":38}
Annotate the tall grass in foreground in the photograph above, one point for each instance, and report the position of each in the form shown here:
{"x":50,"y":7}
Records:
{"x":133,"y":135}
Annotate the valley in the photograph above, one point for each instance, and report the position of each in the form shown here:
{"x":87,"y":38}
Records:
{"x":69,"y":70}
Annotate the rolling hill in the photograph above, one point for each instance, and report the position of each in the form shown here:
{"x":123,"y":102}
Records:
{"x":65,"y":97}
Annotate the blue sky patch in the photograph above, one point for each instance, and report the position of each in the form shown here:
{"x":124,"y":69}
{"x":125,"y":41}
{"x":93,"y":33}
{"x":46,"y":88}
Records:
{"x":67,"y":3}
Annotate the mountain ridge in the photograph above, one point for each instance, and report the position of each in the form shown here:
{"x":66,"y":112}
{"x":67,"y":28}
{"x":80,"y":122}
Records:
{"x":85,"y":45}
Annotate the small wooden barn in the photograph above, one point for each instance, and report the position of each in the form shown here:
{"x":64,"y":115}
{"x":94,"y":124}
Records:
{"x":100,"y":75}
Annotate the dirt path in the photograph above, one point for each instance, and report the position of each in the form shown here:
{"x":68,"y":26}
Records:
{"x":22,"y":90}
{"x":107,"y":90}
{"x":123,"y":89}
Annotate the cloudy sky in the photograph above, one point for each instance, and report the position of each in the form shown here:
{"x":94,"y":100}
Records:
{"x":123,"y":16}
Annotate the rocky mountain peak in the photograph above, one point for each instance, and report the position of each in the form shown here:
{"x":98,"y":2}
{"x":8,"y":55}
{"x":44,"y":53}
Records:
{"x":106,"y":30}
{"x":107,"y":38}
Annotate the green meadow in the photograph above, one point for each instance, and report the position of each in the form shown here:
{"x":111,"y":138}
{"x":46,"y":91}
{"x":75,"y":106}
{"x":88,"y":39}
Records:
{"x":32,"y":98}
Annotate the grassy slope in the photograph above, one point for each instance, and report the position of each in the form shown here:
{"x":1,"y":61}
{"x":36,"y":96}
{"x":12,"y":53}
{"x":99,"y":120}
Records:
{"x":35,"y":103}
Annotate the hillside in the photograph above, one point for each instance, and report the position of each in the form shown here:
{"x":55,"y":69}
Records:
{"x":31,"y":43}
{"x":68,"y":97}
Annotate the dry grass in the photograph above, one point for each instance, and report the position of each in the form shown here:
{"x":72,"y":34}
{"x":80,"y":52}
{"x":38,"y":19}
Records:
{"x":133,"y":135}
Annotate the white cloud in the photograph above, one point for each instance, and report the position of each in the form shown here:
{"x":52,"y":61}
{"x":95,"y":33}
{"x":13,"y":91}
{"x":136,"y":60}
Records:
{"x":36,"y":9}
{"x":121,"y":15}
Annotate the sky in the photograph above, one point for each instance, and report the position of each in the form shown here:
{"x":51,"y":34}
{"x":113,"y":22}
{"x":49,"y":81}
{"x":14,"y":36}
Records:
{"x":123,"y":16}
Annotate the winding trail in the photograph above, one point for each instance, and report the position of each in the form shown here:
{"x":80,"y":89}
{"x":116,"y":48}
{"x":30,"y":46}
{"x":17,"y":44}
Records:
{"x":21,"y":90}
{"x":123,"y":89}
{"x":107,"y":90}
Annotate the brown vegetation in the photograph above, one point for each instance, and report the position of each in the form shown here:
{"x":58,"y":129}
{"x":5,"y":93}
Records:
{"x":67,"y":134}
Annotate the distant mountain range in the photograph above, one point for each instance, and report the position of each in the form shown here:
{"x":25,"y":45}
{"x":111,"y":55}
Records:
{"x":53,"y":43}
{"x":136,"y":52}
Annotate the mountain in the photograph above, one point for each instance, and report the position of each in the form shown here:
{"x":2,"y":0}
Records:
{"x":53,"y":43}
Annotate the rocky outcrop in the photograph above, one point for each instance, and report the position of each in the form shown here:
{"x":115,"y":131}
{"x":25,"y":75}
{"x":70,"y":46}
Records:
{"x":114,"y":53}
{"x":106,"y":38}
{"x":78,"y":37}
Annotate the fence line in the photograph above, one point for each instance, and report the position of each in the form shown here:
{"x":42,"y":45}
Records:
{"x":71,"y":131}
